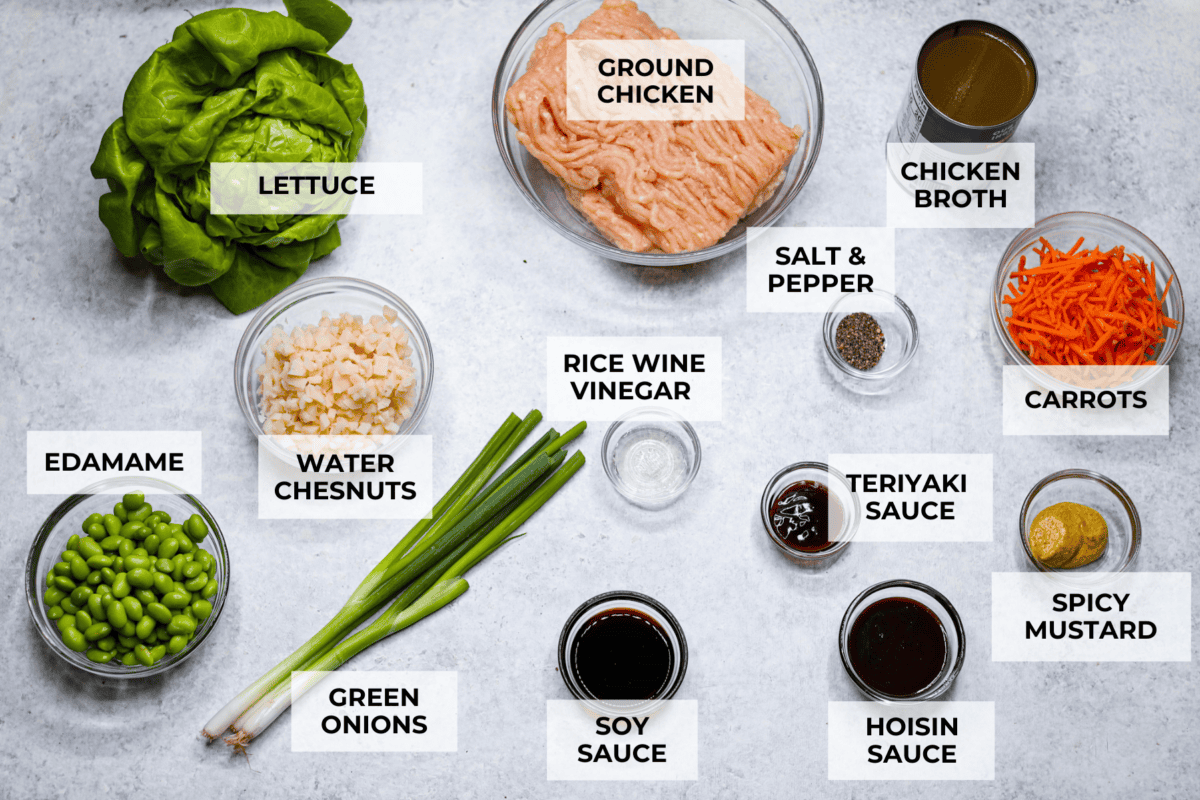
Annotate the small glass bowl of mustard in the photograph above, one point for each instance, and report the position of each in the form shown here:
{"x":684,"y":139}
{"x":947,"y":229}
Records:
{"x":1095,"y":491}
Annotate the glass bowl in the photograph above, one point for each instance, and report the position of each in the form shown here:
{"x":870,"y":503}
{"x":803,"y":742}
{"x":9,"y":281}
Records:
{"x":67,"y":520}
{"x":838,"y":486}
{"x":778,"y":67}
{"x":901,"y":338}
{"x":303,"y":304}
{"x":649,"y":607}
{"x":1097,"y":230}
{"x":1101,"y":493}
{"x":952,"y":629}
{"x":651,"y":456}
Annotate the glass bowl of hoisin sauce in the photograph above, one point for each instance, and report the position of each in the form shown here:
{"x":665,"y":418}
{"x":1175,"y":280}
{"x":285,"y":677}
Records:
{"x":622,"y":652}
{"x":902,"y":642}
{"x":810,"y":512}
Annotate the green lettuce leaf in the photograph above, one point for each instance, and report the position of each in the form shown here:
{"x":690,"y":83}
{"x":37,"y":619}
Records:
{"x":231,"y":85}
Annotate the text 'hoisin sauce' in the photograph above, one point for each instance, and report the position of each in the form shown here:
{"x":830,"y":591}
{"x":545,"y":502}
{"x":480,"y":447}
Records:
{"x":622,"y":654}
{"x":803,"y":515}
{"x":897,"y":646}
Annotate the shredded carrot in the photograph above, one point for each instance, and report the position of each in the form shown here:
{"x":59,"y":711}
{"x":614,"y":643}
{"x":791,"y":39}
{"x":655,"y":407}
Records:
{"x":1087,"y":307}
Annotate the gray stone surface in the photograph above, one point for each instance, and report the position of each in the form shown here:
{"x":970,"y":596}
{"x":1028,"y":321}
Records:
{"x":91,"y":340}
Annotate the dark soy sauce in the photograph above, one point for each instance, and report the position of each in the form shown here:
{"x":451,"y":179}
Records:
{"x":804,"y":513}
{"x":622,"y":654}
{"x":897,"y":646}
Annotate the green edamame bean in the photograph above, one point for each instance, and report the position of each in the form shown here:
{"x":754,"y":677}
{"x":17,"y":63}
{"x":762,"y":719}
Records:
{"x":127,"y":641}
{"x":151,"y":543}
{"x":133,"y":562}
{"x":177,"y":568}
{"x":205,"y":558}
{"x":99,"y":656}
{"x":156,"y":653}
{"x":192,"y":569}
{"x":140,"y":578}
{"x":161,"y":635}
{"x":79,"y":569}
{"x":110,"y":543}
{"x":104,"y":590}
{"x":100,"y":561}
{"x":129,"y":528}
{"x":175,"y":599}
{"x":164,"y":565}
{"x":141,"y":514}
{"x":145,"y":597}
{"x":75,"y":640}
{"x":144,"y":628}
{"x":210,"y":589}
{"x":68,"y":606}
{"x":120,"y":587}
{"x":181,"y":625}
{"x":197,"y":583}
{"x":65,"y":583}
{"x":116,"y":615}
{"x":186,"y":545}
{"x":93,"y":519}
{"x":107,"y":644}
{"x":81,"y":594}
{"x":118,"y":565}
{"x":64,"y":622}
{"x":94,"y":579}
{"x":112,"y":525}
{"x":152,"y":519}
{"x":202,"y":609}
{"x":53,"y":596}
{"x":196,"y":527}
{"x":61,"y":568}
{"x":133,"y":501}
{"x":125,"y":548}
{"x":163,"y":530}
{"x":97,"y":631}
{"x":176,"y":643}
{"x":142,"y":654}
{"x":96,"y":530}
{"x":166,"y":517}
{"x":163,"y":583}
{"x":159,"y":613}
{"x":89,"y":548}
{"x":95,"y":607}
{"x":133,"y":608}
{"x":128,"y":629}
{"x":108,"y":575}
{"x":50,"y":580}
{"x":83,"y":620}
{"x":168,"y":548}
{"x":73,"y":543}
{"x":55,"y":612}
{"x":120,"y":513}
{"x":128,"y":659}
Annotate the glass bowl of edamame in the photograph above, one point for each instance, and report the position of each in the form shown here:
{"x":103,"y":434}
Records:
{"x":145,"y":595}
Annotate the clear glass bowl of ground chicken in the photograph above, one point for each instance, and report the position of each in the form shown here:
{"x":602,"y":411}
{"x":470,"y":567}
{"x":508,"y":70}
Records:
{"x":867,"y":352}
{"x":778,"y":68}
{"x":810,"y":512}
{"x":902,"y":641}
{"x":1062,"y":232}
{"x":67,"y":520}
{"x":304,"y":304}
{"x":1068,"y":540}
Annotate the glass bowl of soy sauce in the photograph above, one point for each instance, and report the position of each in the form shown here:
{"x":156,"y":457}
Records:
{"x":810,"y":512}
{"x":902,"y":642}
{"x":622,"y":652}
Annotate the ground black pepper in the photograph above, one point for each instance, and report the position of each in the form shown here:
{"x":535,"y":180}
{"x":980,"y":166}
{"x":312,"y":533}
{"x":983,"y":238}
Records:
{"x":860,"y":340}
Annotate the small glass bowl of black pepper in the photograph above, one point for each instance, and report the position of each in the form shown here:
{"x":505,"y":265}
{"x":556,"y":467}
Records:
{"x":902,"y":642}
{"x":855,"y":355}
{"x":810,"y":512}
{"x":621,"y":653}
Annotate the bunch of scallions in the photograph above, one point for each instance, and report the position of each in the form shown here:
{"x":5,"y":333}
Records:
{"x":424,"y":572}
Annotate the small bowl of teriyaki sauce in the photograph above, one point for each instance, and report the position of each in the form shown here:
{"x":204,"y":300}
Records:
{"x":622,"y":652}
{"x":902,"y":642}
{"x":810,"y":512}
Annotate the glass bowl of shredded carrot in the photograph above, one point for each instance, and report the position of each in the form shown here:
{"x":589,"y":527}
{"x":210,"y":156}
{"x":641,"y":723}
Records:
{"x":1084,"y":290}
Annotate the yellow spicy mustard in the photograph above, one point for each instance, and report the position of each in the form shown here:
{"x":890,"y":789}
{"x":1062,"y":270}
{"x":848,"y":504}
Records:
{"x":1068,"y":535}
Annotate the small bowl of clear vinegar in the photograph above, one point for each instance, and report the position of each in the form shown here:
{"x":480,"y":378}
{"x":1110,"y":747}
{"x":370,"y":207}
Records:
{"x":651,"y":455}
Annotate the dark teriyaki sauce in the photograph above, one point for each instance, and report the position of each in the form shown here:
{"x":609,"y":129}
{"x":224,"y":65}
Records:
{"x":622,"y":654}
{"x":897,"y":646}
{"x":803,"y":515}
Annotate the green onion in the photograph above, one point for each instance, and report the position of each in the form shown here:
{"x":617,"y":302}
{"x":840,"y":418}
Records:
{"x":423,"y":572}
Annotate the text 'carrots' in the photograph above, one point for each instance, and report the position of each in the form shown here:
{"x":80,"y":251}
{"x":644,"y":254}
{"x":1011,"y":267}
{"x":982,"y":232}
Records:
{"x":1087,"y":307}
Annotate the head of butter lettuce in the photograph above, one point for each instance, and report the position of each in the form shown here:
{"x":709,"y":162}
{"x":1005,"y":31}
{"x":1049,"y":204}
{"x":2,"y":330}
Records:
{"x":231,"y":85}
